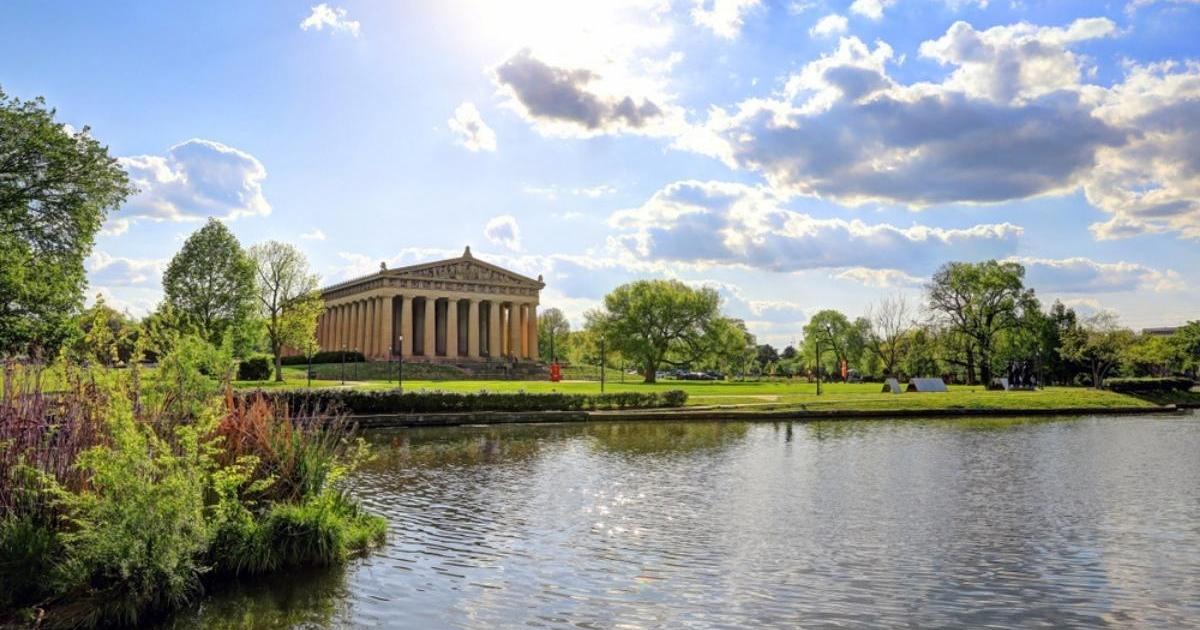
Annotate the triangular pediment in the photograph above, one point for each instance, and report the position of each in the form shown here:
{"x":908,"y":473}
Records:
{"x":464,"y":270}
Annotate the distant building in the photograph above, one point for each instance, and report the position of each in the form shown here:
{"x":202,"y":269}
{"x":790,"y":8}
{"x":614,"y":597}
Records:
{"x":461,"y":309}
{"x":1161,"y":331}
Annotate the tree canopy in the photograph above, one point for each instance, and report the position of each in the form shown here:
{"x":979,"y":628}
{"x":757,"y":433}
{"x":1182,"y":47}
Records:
{"x":210,"y":282}
{"x":57,"y":186}
{"x":979,"y":301}
{"x":286,"y":297}
{"x":657,"y":322}
{"x":553,"y":329}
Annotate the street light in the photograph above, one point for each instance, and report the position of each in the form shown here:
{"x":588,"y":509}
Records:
{"x":818,"y":344}
{"x":602,"y":365}
{"x":400,"y":365}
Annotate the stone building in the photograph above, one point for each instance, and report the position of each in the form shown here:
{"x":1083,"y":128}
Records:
{"x":458,"y":310}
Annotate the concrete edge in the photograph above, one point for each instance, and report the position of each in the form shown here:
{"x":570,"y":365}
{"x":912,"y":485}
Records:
{"x":379,"y":421}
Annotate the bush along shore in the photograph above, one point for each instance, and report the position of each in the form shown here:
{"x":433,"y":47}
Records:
{"x":394,"y":402}
{"x":120,"y":500}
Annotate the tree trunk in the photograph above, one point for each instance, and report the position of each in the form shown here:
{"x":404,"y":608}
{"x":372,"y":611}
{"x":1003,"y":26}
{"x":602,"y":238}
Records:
{"x":970,"y":366}
{"x":278,"y":352}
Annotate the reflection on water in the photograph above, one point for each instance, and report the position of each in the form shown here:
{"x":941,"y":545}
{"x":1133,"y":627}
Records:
{"x":1013,"y":523}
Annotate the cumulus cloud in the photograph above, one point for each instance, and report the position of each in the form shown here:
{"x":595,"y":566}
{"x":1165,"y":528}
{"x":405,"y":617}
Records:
{"x":844,"y":129}
{"x":880,"y":278}
{"x":573,"y":101}
{"x":553,"y":192}
{"x":104,"y":269}
{"x":831,"y":24}
{"x":1152,"y":183}
{"x":718,"y":223}
{"x":1083,"y":275}
{"x":503,"y":230}
{"x":1011,"y":63}
{"x":722,"y":17}
{"x":334,"y":18}
{"x":872,"y":9}
{"x":313,"y":235}
{"x":473,"y":133}
{"x":193,"y":180}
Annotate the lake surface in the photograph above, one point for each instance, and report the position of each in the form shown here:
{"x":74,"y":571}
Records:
{"x":1007,"y":523}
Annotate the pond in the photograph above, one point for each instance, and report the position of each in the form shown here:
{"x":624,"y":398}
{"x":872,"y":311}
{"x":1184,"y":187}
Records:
{"x":1011,"y":523}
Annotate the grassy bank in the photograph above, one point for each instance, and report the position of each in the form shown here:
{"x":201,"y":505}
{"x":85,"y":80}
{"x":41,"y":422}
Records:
{"x":120,"y":497}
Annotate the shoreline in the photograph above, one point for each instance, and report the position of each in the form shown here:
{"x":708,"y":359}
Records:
{"x":388,"y":421}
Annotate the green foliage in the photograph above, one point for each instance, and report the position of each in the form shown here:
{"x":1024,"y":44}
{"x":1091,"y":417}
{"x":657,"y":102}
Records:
{"x":979,"y":301}
{"x":656,"y":322}
{"x":1098,"y":344}
{"x":57,"y":186}
{"x":327,"y":356}
{"x":553,"y":331}
{"x":1186,"y":342}
{"x":28,"y":549}
{"x":1149,"y":385}
{"x":210,"y":285}
{"x":286,"y":297}
{"x":382,"y":402}
{"x":840,"y":340}
{"x":254,"y":369}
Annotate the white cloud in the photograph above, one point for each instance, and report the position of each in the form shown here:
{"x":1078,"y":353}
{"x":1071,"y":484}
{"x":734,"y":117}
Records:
{"x":872,"y":9}
{"x":831,"y":24}
{"x":880,"y":278}
{"x":334,"y":18}
{"x":590,"y":192}
{"x":843,"y":129}
{"x":314,"y":234}
{"x":1014,"y":63}
{"x":717,"y":223}
{"x":195,"y":179}
{"x":503,"y":230}
{"x":473,"y":133}
{"x":1083,"y":275}
{"x":1151,"y":183}
{"x":577,"y":101}
{"x":722,"y":17}
{"x":115,"y":271}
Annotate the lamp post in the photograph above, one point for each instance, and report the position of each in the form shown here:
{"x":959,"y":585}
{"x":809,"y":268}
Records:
{"x":818,"y":344}
{"x":400,"y":365}
{"x":602,"y":365}
{"x":389,"y":364}
{"x":343,"y":364}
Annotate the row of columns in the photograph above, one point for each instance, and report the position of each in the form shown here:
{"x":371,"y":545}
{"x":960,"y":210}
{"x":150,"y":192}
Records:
{"x":431,"y":326}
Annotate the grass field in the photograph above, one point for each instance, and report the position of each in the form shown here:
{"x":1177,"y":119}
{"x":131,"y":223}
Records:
{"x":768,"y":395}
{"x":753,"y":395}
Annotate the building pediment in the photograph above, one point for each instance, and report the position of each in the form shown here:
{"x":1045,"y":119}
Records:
{"x":465,"y":270}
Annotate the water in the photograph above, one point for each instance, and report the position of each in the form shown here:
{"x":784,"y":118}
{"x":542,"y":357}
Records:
{"x":1006,"y":523}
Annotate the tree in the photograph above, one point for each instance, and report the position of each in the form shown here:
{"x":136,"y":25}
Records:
{"x":788,"y":353}
{"x":210,"y":283}
{"x":979,"y":300}
{"x":656,"y":322}
{"x":766,"y":354}
{"x":890,"y":322}
{"x":1187,"y":343}
{"x":553,"y":329}
{"x":104,"y":336}
{"x":730,"y":346}
{"x":920,"y":359}
{"x":840,"y":340}
{"x":1099,"y":344}
{"x":287,"y":299}
{"x":1153,"y":355}
{"x":56,"y":188}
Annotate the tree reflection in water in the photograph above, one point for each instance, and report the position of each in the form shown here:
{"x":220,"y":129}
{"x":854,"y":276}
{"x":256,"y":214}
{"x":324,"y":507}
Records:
{"x":297,"y":598}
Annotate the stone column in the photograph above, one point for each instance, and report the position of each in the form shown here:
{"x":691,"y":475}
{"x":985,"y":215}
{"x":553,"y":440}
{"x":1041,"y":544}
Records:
{"x":406,"y":326}
{"x":430,"y":327}
{"x":336,"y":338}
{"x":387,"y":338}
{"x":368,"y":327}
{"x":532,"y":331}
{"x":452,"y":328}
{"x":351,"y":326}
{"x":514,"y":330}
{"x":472,"y":328}
{"x":493,"y":341}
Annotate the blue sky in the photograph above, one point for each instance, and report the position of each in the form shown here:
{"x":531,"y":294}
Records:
{"x":796,"y":155}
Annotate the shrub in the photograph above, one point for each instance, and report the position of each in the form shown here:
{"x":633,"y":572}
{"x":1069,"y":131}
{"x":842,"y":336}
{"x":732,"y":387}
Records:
{"x":1149,"y":385}
{"x":328,"y":356}
{"x":382,"y":402}
{"x":254,"y":369}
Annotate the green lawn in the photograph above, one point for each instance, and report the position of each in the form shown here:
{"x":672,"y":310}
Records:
{"x":769,"y":395}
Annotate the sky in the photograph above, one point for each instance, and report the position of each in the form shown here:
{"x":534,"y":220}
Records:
{"x":795,"y":156}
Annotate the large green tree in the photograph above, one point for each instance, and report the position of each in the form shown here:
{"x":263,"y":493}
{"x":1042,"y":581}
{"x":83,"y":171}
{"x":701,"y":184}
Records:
{"x":657,"y":322}
{"x":1187,"y":342}
{"x":285,"y":296}
{"x":553,"y":329}
{"x":210,"y":282}
{"x":1098,"y":344}
{"x":980,"y":301}
{"x":57,"y":185}
{"x":839,"y":338}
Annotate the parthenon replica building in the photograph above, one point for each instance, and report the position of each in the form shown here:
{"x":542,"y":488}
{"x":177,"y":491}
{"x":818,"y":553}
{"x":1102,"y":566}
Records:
{"x":458,"y":310}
